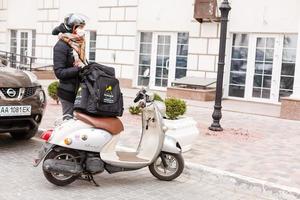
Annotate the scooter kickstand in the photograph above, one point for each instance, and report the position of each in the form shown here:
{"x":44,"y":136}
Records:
{"x":91,"y":179}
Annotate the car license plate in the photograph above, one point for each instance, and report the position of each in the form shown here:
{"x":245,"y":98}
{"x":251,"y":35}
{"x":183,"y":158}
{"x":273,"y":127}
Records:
{"x":7,"y":111}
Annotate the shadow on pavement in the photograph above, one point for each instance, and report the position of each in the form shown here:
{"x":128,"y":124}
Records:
{"x":6,"y":141}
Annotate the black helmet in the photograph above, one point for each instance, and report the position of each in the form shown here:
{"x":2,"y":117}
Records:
{"x":73,"y":20}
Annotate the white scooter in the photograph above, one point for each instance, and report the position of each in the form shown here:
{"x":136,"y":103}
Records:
{"x":85,"y":145}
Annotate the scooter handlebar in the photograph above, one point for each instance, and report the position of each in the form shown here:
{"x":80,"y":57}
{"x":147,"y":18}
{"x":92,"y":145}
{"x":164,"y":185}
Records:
{"x":137,"y":98}
{"x":140,"y":95}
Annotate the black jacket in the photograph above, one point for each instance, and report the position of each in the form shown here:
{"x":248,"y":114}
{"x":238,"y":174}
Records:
{"x":64,"y":70}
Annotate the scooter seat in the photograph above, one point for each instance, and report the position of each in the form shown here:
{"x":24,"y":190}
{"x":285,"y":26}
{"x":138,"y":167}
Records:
{"x":111,"y":124}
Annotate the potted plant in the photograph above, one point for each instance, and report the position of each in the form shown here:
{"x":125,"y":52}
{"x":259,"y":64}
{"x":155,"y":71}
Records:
{"x":135,"y":110}
{"x":52,"y":91}
{"x":157,"y":97}
{"x":183,"y":129}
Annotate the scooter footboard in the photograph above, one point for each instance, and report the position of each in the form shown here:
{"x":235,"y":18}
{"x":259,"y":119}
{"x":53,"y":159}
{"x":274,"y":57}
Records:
{"x":171,"y":145}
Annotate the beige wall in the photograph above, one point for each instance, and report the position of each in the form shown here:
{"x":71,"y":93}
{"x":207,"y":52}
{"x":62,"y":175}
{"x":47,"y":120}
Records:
{"x":267,"y":16}
{"x":116,"y":41}
{"x":118,"y":23}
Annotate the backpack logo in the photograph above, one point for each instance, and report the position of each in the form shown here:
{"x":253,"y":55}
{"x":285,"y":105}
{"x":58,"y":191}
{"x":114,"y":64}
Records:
{"x":108,"y":88}
{"x":108,"y":95}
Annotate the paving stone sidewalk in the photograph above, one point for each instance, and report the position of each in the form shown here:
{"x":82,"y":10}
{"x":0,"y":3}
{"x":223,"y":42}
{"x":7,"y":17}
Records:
{"x":260,"y":147}
{"x":20,"y":180}
{"x":257,"y":146}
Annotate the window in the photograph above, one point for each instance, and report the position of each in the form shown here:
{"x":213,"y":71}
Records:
{"x":145,"y":58}
{"x":181,"y":55}
{"x":162,"y":60}
{"x":163,"y":56}
{"x":265,"y":78}
{"x":238,"y":68}
{"x":13,"y":41}
{"x":33,"y":44}
{"x":263,"y":67}
{"x":92,"y":46}
{"x":24,"y":48}
{"x":288,"y":65}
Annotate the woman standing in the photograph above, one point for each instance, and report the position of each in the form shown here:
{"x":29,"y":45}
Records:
{"x":68,"y":59}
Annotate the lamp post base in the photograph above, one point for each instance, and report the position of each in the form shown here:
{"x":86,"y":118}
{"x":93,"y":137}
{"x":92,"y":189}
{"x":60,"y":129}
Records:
{"x":215,"y":127}
{"x":217,"y":115}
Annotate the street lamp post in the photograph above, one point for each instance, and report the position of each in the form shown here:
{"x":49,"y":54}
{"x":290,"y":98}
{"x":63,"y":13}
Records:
{"x":217,"y":114}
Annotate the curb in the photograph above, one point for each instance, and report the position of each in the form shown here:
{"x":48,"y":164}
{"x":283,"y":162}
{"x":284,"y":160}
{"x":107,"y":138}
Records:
{"x":269,"y":189}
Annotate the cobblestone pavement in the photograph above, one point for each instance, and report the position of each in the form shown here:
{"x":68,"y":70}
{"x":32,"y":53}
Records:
{"x":20,"y":180}
{"x":261,"y":147}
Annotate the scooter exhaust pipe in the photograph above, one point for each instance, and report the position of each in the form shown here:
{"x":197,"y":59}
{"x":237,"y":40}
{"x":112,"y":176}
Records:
{"x":62,"y":166}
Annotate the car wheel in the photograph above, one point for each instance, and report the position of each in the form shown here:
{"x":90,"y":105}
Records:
{"x":24,"y":135}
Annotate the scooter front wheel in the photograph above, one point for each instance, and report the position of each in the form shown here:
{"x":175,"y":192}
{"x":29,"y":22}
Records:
{"x":167,"y":166}
{"x":57,"y":178}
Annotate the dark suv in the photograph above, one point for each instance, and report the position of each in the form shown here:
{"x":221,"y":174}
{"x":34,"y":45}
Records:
{"x":22,"y":103}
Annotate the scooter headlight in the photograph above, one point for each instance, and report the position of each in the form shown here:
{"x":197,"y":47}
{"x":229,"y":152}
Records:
{"x":165,"y":129}
{"x":150,"y":96}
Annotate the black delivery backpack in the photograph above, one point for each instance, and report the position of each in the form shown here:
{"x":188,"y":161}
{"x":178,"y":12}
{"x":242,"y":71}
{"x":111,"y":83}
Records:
{"x":100,"y":92}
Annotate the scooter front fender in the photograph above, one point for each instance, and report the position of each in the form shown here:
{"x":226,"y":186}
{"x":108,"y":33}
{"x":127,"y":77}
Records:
{"x":171,"y":145}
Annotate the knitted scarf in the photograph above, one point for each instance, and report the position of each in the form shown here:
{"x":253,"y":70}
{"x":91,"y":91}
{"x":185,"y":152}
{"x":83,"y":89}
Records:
{"x":78,"y":45}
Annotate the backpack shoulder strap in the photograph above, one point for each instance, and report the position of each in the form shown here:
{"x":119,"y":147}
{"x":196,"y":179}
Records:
{"x":91,"y":90}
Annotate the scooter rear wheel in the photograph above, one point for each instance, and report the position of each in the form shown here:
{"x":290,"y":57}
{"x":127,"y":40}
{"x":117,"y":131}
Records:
{"x":61,"y":179}
{"x":168,"y":170}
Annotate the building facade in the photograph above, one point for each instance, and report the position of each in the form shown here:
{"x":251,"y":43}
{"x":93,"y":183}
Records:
{"x":153,"y":42}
